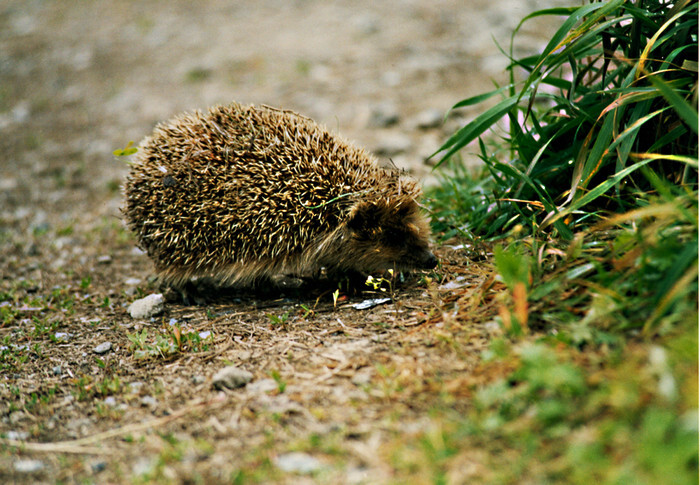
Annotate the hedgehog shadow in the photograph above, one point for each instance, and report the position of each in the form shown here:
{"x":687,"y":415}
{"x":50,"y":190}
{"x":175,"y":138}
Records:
{"x":205,"y":291}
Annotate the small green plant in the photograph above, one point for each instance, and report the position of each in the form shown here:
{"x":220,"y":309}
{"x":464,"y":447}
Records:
{"x":174,"y":342}
{"x":190,"y":340}
{"x":62,"y":299}
{"x":113,"y":186}
{"x":307,"y":311}
{"x":281,"y":383}
{"x":44,"y":328}
{"x":198,"y":74}
{"x":336,"y":294}
{"x":109,"y":385}
{"x":7,"y":315}
{"x":514,"y":268}
{"x":378,"y":284}
{"x":126,"y":151}
{"x":65,"y":230}
{"x":85,"y":282}
{"x":12,"y":356}
{"x":82,"y":388}
{"x":138,"y":339}
{"x":279,"y":320}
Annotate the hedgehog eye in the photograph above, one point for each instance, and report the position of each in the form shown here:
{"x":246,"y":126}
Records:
{"x":392,"y":237}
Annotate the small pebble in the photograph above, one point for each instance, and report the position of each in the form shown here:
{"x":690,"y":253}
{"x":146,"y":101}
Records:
{"x":17,"y":435}
{"x":392,"y":144}
{"x":147,"y":307}
{"x":8,"y":184}
{"x":458,"y":282}
{"x":384,"y":114}
{"x":103,"y":348}
{"x":110,"y":401}
{"x":104,"y":259}
{"x":149,"y":402}
{"x":17,"y":416}
{"x":264,"y":385}
{"x":62,"y":335}
{"x":98,"y":466}
{"x":28,"y":466}
{"x":427,"y":119}
{"x":231,"y":377}
{"x":391,"y":78}
{"x":143,"y":466}
{"x":57,"y":370}
{"x":135,"y":387}
{"x":366,"y":23}
{"x":298,"y":462}
{"x":362,"y":377}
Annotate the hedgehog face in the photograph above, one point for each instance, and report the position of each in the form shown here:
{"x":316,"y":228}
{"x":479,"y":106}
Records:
{"x":383,"y":236}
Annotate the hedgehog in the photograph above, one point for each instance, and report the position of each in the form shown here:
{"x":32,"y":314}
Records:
{"x":244,"y":194}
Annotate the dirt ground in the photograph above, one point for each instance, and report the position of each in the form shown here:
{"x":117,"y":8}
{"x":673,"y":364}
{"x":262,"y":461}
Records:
{"x":332,"y":387}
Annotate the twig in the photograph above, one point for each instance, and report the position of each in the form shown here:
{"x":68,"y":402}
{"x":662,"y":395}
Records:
{"x":58,"y":447}
{"x":79,"y":445}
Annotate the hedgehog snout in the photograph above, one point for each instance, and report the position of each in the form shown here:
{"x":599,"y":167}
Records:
{"x":428,"y":260}
{"x":417,"y":258}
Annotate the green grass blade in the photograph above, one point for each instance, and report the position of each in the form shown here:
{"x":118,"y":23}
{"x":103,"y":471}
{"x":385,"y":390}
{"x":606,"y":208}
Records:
{"x":684,"y":109}
{"x":474,"y":129}
{"x":594,"y":193}
{"x":481,"y":97}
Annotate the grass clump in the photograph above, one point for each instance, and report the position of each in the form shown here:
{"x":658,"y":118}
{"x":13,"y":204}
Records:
{"x":173,"y":341}
{"x":614,"y":91}
{"x":591,"y":179}
{"x":588,"y":202}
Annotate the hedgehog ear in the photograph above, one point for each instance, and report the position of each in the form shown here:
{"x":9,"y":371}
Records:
{"x":363,"y":216}
{"x":405,"y":209}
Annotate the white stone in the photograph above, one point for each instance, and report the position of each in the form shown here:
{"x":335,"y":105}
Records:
{"x":231,"y":377}
{"x":429,"y":118}
{"x":147,"y":307}
{"x":28,"y":466}
{"x":297,"y":462}
{"x":392,"y":143}
{"x":103,"y":348}
{"x":370,"y":303}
